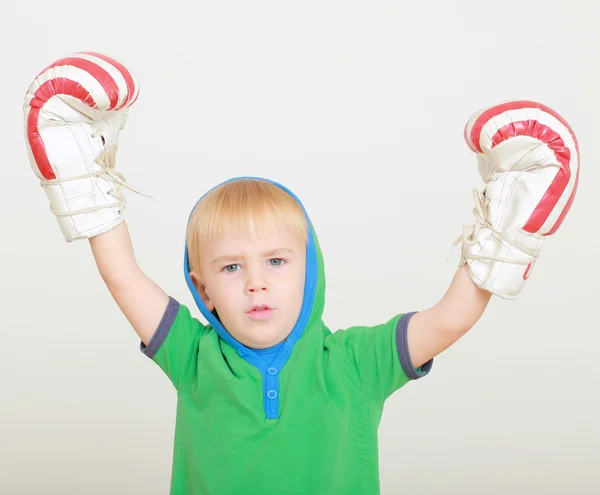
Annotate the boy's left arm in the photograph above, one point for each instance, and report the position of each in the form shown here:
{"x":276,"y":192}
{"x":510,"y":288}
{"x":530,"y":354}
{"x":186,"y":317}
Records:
{"x":435,"y":329}
{"x":528,"y":158}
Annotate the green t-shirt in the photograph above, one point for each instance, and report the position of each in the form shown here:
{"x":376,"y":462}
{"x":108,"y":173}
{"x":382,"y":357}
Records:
{"x":331,"y":396}
{"x":300,"y":418}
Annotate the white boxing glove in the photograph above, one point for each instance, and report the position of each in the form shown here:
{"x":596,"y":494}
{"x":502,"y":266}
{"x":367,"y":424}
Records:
{"x":74,"y":111}
{"x":528,"y":157}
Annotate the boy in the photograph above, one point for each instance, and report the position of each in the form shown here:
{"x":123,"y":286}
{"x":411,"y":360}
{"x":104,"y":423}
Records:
{"x":270,"y":400}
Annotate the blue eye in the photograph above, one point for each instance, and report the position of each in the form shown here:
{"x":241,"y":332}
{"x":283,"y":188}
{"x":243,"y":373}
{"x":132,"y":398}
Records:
{"x":279,"y":260}
{"x":229,"y":266}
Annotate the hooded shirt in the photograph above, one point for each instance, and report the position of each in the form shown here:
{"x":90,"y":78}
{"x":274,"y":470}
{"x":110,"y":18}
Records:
{"x":299,"y":418}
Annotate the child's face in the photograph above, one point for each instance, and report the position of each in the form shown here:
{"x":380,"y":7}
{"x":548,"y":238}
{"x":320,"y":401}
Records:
{"x":237,"y":274}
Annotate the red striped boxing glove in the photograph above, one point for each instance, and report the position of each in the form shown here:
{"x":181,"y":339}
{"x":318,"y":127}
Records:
{"x":74,"y":111}
{"x":528,"y":157}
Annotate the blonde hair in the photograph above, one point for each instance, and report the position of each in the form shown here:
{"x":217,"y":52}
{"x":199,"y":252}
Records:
{"x":242,"y":206}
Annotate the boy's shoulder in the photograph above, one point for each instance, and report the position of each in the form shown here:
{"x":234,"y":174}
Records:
{"x":377,"y":356}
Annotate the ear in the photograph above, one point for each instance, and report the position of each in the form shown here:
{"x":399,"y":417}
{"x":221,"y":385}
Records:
{"x":200,"y":286}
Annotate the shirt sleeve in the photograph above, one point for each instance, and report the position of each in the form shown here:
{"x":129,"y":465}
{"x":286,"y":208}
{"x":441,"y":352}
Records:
{"x":175,"y":342}
{"x":378,"y":356}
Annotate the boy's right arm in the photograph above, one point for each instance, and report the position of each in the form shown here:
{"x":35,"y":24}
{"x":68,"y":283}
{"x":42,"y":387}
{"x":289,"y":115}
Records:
{"x":74,"y":112}
{"x":142,"y":301}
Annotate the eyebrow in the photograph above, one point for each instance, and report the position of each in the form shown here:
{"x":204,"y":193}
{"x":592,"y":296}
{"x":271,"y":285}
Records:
{"x":231,"y":257}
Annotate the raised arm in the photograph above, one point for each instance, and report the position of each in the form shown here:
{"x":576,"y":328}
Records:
{"x":528,"y":158}
{"x":435,"y":329}
{"x":74,"y":112}
{"x":141,"y":300}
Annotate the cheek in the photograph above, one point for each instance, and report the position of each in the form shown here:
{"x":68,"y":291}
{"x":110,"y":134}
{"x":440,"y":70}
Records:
{"x":296,"y":287}
{"x":226,"y":290}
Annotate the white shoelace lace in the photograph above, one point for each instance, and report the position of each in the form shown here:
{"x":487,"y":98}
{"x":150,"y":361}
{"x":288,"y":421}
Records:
{"x":470,"y":234}
{"x":106,"y":130}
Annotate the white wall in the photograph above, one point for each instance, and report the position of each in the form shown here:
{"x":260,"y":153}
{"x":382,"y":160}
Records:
{"x":359,"y":108}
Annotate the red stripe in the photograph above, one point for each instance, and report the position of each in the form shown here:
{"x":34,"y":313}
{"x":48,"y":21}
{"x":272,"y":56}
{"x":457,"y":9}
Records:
{"x":552,"y":139}
{"x":496,"y":110}
{"x":46,"y":91}
{"x":554,"y":142}
{"x":563,"y":214}
{"x":124,"y":72}
{"x":102,"y":76}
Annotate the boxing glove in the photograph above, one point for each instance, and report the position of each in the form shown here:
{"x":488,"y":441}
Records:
{"x":528,"y":158}
{"x":74,"y":111}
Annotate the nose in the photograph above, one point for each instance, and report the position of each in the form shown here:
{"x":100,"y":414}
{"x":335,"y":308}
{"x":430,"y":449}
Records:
{"x":256,"y":280}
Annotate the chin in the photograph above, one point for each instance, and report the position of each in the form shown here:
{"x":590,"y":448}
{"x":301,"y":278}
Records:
{"x":265,"y":344}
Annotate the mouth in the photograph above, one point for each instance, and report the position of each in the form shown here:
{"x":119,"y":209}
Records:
{"x":260,"y":312}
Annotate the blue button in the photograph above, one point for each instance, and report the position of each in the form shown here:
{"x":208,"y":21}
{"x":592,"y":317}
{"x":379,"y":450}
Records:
{"x":272,"y":371}
{"x":271,"y":394}
{"x":241,"y":351}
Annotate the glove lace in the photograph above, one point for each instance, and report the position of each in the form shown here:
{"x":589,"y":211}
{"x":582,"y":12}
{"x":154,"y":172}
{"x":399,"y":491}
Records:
{"x":471,"y":232}
{"x":106,"y":171}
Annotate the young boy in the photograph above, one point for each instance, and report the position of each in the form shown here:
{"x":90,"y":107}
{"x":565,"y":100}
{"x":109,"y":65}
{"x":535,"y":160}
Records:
{"x":270,"y":400}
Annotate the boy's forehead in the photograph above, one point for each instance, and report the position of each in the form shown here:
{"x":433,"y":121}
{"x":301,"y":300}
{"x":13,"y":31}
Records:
{"x":252,"y":241}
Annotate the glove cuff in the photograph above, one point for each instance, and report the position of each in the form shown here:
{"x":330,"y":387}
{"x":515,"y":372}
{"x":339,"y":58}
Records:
{"x":500,"y":265}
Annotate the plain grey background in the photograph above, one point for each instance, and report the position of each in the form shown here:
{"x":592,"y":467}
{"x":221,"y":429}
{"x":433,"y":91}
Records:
{"x":359,"y":108}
